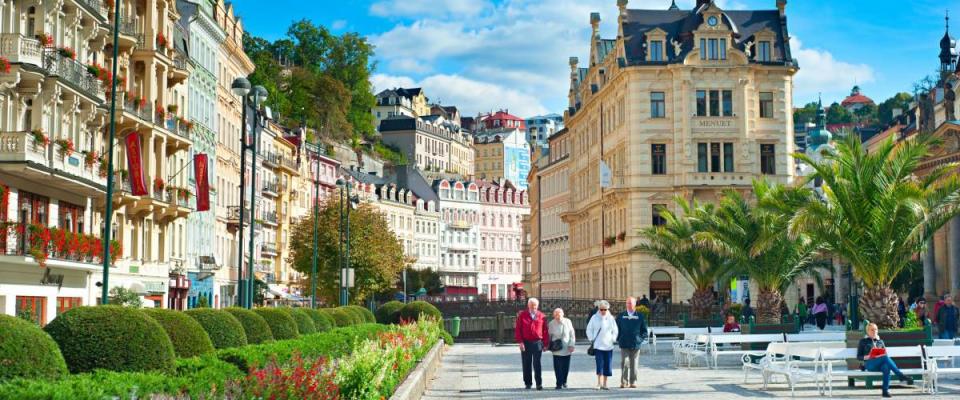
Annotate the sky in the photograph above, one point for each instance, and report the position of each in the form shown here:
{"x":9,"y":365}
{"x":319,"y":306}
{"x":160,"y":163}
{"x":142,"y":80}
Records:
{"x":486,"y":55}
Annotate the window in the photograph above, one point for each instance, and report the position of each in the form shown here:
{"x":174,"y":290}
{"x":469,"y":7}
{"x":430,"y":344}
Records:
{"x":657,"y":105}
{"x":723,"y":49}
{"x":701,"y":103}
{"x":66,"y":303}
{"x":32,"y":308}
{"x":714,"y":157}
{"x":727,"y":103}
{"x":701,"y":157}
{"x":763,"y":51}
{"x":728,"y":157}
{"x":712,"y":49}
{"x":658,"y":219}
{"x":714,"y":103}
{"x":768,"y":160}
{"x":703,"y":49}
{"x":659,"y":159}
{"x":656,"y":50}
{"x":766,"y":105}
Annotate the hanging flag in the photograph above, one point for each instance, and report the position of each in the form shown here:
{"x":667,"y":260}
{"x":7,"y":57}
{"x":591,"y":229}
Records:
{"x":203,"y":186}
{"x":606,"y":178}
{"x":135,"y":165}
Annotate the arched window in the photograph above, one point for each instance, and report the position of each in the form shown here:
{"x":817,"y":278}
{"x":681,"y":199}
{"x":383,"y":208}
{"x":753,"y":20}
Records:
{"x":661,"y":285}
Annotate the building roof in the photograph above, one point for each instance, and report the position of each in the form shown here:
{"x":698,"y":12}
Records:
{"x":402,"y":92}
{"x":681,"y":24}
{"x":408,"y":177}
{"x":856,"y":99}
{"x":362,"y":177}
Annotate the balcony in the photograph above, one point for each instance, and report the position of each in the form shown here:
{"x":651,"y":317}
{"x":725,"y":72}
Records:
{"x":271,"y":160}
{"x":73,"y":74}
{"x":233,"y":218}
{"x":23,"y":156}
{"x":179,"y":72}
{"x":720,"y":179}
{"x":95,"y":8}
{"x":21,"y":49}
{"x":290,"y":165}
{"x":20,"y":146}
{"x":269,"y":249}
{"x":461,"y":224}
{"x":77,"y":251}
{"x":129,"y":35}
{"x":270,"y":218}
{"x":271,"y":188}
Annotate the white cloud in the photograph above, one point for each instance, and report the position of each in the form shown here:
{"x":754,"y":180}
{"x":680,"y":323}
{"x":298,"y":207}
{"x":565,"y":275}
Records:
{"x":338,"y":24}
{"x":821,"y":72}
{"x":469,"y":95}
{"x":427,"y":8}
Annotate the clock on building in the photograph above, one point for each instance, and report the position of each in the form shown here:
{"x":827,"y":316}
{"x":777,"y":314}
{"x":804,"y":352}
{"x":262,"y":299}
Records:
{"x":712,"y":21}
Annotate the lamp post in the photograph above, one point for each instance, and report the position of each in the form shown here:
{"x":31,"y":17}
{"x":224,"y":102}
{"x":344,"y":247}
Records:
{"x":345,"y":239}
{"x":105,"y":298}
{"x":241,"y":87}
{"x":257,"y":94}
{"x":316,"y":212}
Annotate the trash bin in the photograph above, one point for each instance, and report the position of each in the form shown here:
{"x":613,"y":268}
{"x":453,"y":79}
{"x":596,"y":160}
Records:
{"x":455,"y":327}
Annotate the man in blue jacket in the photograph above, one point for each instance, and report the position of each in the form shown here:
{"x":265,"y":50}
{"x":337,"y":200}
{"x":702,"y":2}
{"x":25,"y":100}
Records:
{"x":633,"y":332}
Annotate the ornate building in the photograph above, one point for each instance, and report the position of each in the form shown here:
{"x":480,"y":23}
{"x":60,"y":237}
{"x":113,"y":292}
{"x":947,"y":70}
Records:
{"x":502,"y":207}
{"x":682,"y":102}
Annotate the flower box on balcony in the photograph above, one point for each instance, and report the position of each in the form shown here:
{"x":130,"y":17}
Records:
{"x":40,"y":139}
{"x":65,"y":146}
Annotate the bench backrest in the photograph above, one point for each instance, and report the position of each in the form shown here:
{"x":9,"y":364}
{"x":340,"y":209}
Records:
{"x":816,"y":337}
{"x":678,"y":331}
{"x":841,"y":353}
{"x":777,"y":348}
{"x":904,"y":351}
{"x":942,"y":351}
{"x":757,"y":338}
{"x":805,"y":352}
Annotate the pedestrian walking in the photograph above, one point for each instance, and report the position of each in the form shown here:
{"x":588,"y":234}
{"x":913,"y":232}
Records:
{"x":820,"y":313}
{"x":921,"y":311}
{"x":644,"y":301}
{"x":562,"y":340}
{"x":532,"y":335}
{"x":602,"y":332}
{"x":901,"y":310}
{"x":632,"y":332}
{"x":802,"y":312}
{"x":947,"y":319}
{"x":747,"y":312}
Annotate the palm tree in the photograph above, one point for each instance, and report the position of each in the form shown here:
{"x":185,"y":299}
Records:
{"x":876,"y":213}
{"x":755,"y":238}
{"x":673,"y":243}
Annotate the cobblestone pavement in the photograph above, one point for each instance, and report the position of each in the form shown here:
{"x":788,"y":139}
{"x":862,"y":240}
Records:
{"x":483,"y":371}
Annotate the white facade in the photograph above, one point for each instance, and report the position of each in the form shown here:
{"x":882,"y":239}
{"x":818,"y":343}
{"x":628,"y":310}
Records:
{"x":459,"y":232}
{"x":501,"y":260}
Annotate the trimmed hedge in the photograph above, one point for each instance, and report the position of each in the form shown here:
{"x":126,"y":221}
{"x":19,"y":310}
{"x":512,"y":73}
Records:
{"x":254,"y":326}
{"x":329,"y":315}
{"x":320,"y":320}
{"x":26,"y":351}
{"x":188,"y":337}
{"x":389,"y":312}
{"x":305,"y":325}
{"x":113,"y":338}
{"x":225,"y":331}
{"x":447,"y":337}
{"x":413,"y":310}
{"x":342,"y":317}
{"x":281,"y":324}
{"x":332,"y":344}
{"x":356,"y":314}
{"x":365,"y":314}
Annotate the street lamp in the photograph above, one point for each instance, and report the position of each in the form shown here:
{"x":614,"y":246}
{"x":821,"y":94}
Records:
{"x":316,"y":211}
{"x":344,"y":241}
{"x":104,"y":299}
{"x":254,"y":97}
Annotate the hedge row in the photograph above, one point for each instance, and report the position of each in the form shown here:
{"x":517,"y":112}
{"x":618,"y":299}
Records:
{"x":187,"y":335}
{"x":224,"y":329}
{"x":198,"y":377}
{"x":27,"y":351}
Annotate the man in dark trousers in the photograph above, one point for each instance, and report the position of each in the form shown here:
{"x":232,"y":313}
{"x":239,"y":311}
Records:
{"x":947,"y":318}
{"x":632,"y":329}
{"x":532,"y":335}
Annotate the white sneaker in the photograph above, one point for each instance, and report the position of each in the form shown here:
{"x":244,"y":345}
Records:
{"x":597,"y":387}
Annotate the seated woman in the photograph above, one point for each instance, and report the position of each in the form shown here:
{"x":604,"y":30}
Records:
{"x":731,"y":324}
{"x":878,"y":362}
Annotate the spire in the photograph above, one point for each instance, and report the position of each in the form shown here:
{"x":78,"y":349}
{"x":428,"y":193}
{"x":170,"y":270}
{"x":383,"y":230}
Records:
{"x":821,"y":115}
{"x":673,"y":5}
{"x":948,"y":47}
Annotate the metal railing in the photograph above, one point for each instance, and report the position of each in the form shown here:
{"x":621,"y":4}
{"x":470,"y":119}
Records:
{"x":133,"y":106}
{"x":73,"y":72}
{"x":18,"y":48}
{"x":269,"y":248}
{"x":271,"y":187}
{"x":270,"y":217}
{"x":94,"y":6}
{"x":129,"y":28}
{"x":17,"y":240}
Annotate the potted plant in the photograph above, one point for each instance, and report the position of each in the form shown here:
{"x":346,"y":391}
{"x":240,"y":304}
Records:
{"x":161,"y":112}
{"x":161,"y":40}
{"x":67,"y":52}
{"x":66,"y":147}
{"x":158,"y":184}
{"x":40,"y":139}
{"x":89,"y":158}
{"x":102,"y":169}
{"x":46,"y":40}
{"x":4,"y":65}
{"x":622,"y":236}
{"x":172,"y":108}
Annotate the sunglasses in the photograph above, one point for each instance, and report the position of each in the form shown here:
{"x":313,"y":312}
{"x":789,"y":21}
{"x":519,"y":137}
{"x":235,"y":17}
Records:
{"x":603,"y":309}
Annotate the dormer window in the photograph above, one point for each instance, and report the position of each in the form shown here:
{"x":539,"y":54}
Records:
{"x":656,"y":50}
{"x":763,"y":51}
{"x":713,"y":49}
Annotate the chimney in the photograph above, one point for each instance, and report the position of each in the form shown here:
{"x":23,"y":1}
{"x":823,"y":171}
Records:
{"x":595,"y":24}
{"x":622,"y":5}
{"x":782,"y":7}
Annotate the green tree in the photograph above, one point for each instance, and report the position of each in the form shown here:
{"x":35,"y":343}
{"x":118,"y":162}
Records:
{"x":425,"y":278}
{"x":673,"y":242}
{"x":375,"y":252}
{"x":877,"y":213}
{"x":806,"y":114}
{"x":755,"y":238}
{"x":120,"y":296}
{"x":867,"y":114}
{"x":898,"y":101}
{"x":837,"y":114}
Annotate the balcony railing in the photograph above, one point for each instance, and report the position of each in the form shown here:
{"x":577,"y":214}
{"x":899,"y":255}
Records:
{"x":73,"y":72}
{"x":128,"y":27}
{"x":270,"y":248}
{"x":132,"y":106}
{"x":21,"y":49}
{"x":271,"y":187}
{"x":270,"y":217}
{"x":20,"y":146}
{"x":271,"y":159}
{"x":179,"y":59}
{"x":179,"y":128}
{"x":18,"y":241}
{"x":94,"y":6}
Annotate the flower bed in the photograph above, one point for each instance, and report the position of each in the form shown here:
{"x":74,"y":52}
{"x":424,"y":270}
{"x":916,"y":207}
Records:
{"x":358,"y":362}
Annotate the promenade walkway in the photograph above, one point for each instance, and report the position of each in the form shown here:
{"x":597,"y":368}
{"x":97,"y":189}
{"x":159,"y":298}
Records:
{"x":483,"y":371}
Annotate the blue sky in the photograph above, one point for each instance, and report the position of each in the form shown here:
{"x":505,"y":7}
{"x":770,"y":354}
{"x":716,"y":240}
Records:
{"x":482,"y":55}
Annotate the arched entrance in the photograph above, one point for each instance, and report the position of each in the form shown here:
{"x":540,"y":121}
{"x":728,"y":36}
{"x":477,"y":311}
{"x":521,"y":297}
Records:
{"x":661,"y":285}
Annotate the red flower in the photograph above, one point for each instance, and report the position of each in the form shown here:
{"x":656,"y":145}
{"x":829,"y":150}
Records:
{"x":4,"y":65}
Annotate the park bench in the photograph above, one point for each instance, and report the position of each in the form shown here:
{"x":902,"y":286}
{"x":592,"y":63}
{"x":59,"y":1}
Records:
{"x":830,"y":357}
{"x":800,"y":361}
{"x":725,"y":345}
{"x":659,"y":332}
{"x":932,"y":357}
{"x":824,"y":336}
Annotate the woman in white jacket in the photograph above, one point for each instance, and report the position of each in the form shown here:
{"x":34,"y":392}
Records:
{"x":602,"y":333}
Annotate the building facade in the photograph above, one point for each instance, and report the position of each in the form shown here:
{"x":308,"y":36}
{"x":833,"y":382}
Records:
{"x":502,"y":154}
{"x":459,"y":235}
{"x":502,"y":207}
{"x":551,"y":260}
{"x":410,"y":102}
{"x":541,"y":127}
{"x":682,"y":102}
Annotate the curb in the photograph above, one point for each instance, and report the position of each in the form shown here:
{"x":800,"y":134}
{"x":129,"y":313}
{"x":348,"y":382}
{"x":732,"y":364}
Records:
{"x":415,"y":385}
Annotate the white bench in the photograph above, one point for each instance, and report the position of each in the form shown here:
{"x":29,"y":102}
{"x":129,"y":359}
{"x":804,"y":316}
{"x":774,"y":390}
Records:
{"x":775,"y":352}
{"x":691,"y":348}
{"x":662,"y":331}
{"x":791,"y":366}
{"x":932,"y":355}
{"x":829,"y":357}
{"x":817,"y":337}
{"x":716,"y":350}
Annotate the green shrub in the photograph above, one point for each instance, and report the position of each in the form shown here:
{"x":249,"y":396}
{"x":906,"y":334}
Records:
{"x":329,"y":315}
{"x":447,"y":337}
{"x":342,"y":317}
{"x":389,"y":312}
{"x":332,"y":344}
{"x":282,"y":325}
{"x":413,"y":310}
{"x":355,"y":316}
{"x":305,"y":325}
{"x":320,"y":320}
{"x":111,"y":337}
{"x":254,"y":326}
{"x":366,"y":315}
{"x":225,"y":331}
{"x":26,"y":351}
{"x":188,"y":337}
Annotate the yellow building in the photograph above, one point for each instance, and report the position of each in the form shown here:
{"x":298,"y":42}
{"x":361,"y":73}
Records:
{"x":682,"y":102}
{"x":279,"y":176}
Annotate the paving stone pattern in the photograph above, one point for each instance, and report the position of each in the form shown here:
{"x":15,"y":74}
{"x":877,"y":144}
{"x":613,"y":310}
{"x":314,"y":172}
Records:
{"x":484,"y":371}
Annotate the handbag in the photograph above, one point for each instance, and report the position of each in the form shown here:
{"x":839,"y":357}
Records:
{"x":590,"y":350}
{"x":557,"y":345}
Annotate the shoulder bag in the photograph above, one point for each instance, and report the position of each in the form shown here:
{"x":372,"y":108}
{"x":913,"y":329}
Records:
{"x":557,"y":345}
{"x":590,"y":350}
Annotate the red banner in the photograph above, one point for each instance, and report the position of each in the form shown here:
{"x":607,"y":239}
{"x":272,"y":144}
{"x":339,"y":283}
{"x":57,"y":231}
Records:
{"x":135,"y":165}
{"x":203,"y":186}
